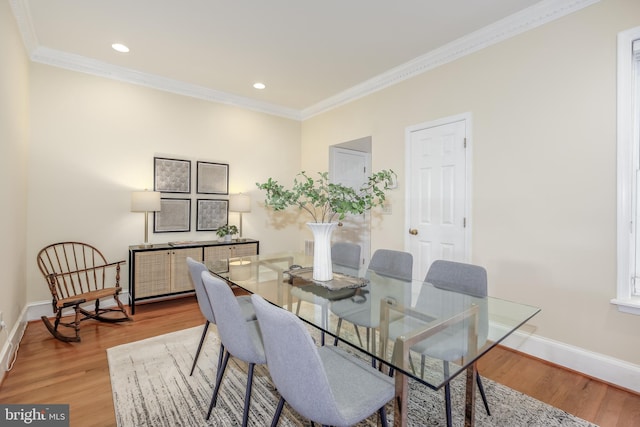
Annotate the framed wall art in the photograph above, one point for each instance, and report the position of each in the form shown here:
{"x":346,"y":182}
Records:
{"x":171,"y":175}
{"x":174,"y":215}
{"x":212,"y":178}
{"x":212,"y":214}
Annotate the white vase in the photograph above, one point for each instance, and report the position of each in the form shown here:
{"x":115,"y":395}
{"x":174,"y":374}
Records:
{"x":322,"y":270}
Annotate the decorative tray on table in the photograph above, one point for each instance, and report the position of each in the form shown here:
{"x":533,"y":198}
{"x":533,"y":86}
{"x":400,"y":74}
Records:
{"x":339,"y":281}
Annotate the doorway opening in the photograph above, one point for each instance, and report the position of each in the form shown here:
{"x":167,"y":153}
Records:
{"x":349,"y":164}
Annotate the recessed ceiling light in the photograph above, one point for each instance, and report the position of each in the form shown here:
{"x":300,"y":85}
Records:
{"x":120,"y":47}
{"x":259,"y":85}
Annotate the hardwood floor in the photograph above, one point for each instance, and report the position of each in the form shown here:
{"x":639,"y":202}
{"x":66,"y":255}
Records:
{"x":49,"y":371}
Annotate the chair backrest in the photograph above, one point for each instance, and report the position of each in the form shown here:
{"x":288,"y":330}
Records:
{"x":390,"y":263}
{"x":74,"y":268}
{"x":294,"y":363}
{"x":387,"y":273}
{"x":450,"y":279}
{"x":233,"y":328}
{"x":196,"y":269}
{"x":346,"y":254}
{"x":457,"y":276}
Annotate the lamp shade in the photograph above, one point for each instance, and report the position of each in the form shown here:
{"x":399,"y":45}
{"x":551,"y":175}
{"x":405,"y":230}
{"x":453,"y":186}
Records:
{"x":145,"y":201}
{"x":239,"y":203}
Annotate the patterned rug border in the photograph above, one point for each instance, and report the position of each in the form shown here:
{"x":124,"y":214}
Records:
{"x":151,"y":386}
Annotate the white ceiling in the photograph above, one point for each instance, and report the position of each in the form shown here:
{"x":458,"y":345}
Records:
{"x":312,"y":55}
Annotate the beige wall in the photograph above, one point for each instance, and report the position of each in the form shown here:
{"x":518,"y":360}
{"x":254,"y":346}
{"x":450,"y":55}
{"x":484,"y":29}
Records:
{"x":93,"y":141}
{"x":14,"y":126}
{"x":543,"y":106}
{"x":544,"y":167}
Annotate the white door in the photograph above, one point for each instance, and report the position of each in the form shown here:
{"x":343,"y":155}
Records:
{"x":350,"y":168}
{"x":437,"y":193}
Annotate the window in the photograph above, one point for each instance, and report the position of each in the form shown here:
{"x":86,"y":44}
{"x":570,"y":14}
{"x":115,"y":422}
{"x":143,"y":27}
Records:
{"x":628,"y":282}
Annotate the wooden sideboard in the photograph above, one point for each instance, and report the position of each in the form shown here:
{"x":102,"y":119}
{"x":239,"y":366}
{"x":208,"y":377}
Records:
{"x":160,"y":270}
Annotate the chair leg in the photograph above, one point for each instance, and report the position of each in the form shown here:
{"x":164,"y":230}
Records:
{"x":447,"y":404}
{"x":383,"y":416}
{"x":484,"y":396}
{"x":276,"y":416}
{"x":195,"y":359}
{"x":76,"y":322}
{"x":335,"y":341}
{"x":247,"y":395}
{"x":214,"y":398}
{"x":98,"y":312}
{"x":447,"y":395}
{"x":53,"y":329}
{"x":220,"y":357}
{"x":121,"y":306}
{"x":373,"y":345}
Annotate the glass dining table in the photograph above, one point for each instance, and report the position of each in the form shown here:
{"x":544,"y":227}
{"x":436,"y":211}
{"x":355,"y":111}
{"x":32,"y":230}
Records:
{"x":417,"y":330}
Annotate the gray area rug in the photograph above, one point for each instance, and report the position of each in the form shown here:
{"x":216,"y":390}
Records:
{"x":152,"y":387}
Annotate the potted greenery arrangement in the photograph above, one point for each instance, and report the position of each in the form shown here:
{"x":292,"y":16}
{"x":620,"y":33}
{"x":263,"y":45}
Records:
{"x":226,"y":231}
{"x":325,"y":202}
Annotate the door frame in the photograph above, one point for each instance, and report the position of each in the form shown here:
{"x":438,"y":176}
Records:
{"x":468,"y":120}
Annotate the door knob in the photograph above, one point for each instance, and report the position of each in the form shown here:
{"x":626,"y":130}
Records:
{"x":413,"y":231}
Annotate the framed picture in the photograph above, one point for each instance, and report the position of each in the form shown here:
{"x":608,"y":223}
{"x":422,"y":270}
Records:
{"x":212,"y":214}
{"x":171,"y":175}
{"x":212,"y":178}
{"x":174,"y":215}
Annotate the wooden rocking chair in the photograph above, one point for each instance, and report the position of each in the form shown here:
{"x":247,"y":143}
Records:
{"x":78,"y":273}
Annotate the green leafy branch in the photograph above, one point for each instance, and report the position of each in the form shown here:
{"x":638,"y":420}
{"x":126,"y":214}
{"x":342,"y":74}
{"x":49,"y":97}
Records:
{"x":325,"y":200}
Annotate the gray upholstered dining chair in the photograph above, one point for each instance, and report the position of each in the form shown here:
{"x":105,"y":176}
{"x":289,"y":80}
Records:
{"x":196,"y":269}
{"x":449,"y":280}
{"x":324,"y":384}
{"x":345,"y":259}
{"x":385,"y":263}
{"x":241,"y":338}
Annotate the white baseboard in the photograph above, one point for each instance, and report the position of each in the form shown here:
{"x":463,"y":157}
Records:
{"x":608,"y":369}
{"x":11,"y":344}
{"x":34,"y":311}
{"x":611,"y":370}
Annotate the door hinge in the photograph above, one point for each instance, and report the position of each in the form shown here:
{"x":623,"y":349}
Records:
{"x":464,"y":222}
{"x":465,"y":143}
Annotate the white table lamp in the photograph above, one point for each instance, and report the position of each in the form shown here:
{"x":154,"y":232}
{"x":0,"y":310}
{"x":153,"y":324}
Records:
{"x":145,"y":201}
{"x":240,"y":203}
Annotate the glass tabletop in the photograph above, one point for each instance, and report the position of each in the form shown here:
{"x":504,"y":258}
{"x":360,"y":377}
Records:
{"x":430,"y":333}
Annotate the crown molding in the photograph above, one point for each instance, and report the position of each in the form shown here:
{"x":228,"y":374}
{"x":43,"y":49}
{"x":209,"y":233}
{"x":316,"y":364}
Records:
{"x":525,"y":20}
{"x":86,"y":65}
{"x":25,"y":24}
{"x":539,"y":14}
{"x":82,"y":64}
